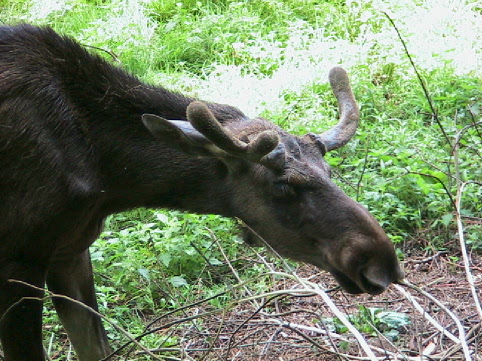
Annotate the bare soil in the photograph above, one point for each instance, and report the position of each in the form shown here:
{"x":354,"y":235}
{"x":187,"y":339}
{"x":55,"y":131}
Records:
{"x":281,"y":326}
{"x":286,"y":327}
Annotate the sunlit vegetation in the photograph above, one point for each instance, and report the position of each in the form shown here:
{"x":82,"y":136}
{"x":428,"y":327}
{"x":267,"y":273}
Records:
{"x":271,"y":58}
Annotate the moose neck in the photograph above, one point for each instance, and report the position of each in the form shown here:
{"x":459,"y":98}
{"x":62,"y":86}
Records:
{"x":134,"y":168}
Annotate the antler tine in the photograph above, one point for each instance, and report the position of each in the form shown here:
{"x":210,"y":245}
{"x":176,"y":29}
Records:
{"x":342,"y":132}
{"x":206,"y":123}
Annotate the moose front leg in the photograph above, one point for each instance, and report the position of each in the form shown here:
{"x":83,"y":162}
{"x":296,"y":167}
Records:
{"x":73,"y":277}
{"x":21,"y":310}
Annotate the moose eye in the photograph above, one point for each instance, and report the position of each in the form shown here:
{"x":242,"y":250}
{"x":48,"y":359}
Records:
{"x":282,"y":189}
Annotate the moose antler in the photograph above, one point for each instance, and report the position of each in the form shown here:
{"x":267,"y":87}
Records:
{"x":342,"y":132}
{"x":265,"y":148}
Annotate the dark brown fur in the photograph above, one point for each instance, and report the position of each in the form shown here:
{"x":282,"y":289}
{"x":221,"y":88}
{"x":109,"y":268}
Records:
{"x":73,"y":149}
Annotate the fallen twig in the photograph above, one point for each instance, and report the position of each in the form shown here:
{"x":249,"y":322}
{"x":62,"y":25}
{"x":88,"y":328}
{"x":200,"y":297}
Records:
{"x":462,"y":337}
{"x":51,"y":295}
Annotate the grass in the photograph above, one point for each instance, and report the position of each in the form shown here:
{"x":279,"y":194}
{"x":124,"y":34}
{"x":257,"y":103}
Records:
{"x":273,"y":56}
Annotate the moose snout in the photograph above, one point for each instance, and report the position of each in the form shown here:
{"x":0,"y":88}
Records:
{"x":371,"y":280}
{"x":364,"y":255}
{"x":375,"y":280}
{"x":365,"y":265}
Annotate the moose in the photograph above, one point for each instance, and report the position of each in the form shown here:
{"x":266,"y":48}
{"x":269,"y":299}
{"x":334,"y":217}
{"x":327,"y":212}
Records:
{"x":81,"y":139}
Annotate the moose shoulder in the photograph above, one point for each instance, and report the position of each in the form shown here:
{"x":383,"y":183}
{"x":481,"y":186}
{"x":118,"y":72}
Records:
{"x":81,"y":139}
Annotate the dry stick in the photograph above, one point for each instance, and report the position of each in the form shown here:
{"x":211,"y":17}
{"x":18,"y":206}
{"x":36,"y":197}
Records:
{"x":226,"y":259}
{"x":463,"y":248}
{"x":311,"y":287}
{"x":231,"y":343}
{"x":358,"y":336}
{"x":447,"y":172}
{"x":199,"y":349}
{"x":47,"y":357}
{"x":307,"y":338}
{"x":319,"y":330}
{"x":460,"y":328}
{"x":429,"y":259}
{"x":131,"y":338}
{"x":308,"y":328}
{"x":447,"y":191}
{"x":326,"y":298}
{"x":315,"y":314}
{"x":215,"y":338}
{"x":111,"y":53}
{"x":434,"y":114}
{"x":362,"y":174}
{"x":471,"y":336}
{"x":419,"y":77}
{"x":47,"y":351}
{"x":293,"y":326}
{"x":190,"y":318}
{"x":157,"y":319}
{"x":51,"y":295}
{"x":269,"y":343}
{"x":472,"y":115}
{"x":460,"y":227}
{"x":427,"y":316}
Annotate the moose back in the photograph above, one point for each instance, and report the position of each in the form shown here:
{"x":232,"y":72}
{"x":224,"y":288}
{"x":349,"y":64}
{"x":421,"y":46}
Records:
{"x":81,"y":139}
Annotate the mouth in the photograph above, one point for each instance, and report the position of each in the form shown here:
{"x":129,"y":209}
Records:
{"x":364,"y":285}
{"x":358,"y":277}
{"x":346,"y":283}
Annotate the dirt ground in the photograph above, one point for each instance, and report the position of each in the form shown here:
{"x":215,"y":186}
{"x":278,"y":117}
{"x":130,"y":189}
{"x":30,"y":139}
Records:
{"x":283,"y":326}
{"x":286,"y":327}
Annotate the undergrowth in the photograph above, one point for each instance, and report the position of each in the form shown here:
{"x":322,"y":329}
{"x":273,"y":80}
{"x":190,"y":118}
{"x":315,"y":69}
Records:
{"x":273,"y":57}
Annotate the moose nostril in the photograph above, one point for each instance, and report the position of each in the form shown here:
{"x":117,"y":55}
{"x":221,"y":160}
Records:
{"x":372,"y":288}
{"x":374,"y":283}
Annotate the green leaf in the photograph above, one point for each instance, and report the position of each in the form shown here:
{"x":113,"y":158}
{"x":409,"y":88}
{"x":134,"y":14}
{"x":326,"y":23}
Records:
{"x":162,"y":217}
{"x":97,"y":255}
{"x":215,"y":262}
{"x":392,"y":335}
{"x":144,"y":273}
{"x":393,"y":320}
{"x":178,"y":281}
{"x":165,"y":259}
{"x":446,"y":219}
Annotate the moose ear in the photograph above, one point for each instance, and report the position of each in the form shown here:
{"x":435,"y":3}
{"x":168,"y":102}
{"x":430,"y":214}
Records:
{"x":180,"y":135}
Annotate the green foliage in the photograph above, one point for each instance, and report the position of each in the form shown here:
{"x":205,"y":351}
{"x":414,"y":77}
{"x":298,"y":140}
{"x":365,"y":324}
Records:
{"x":266,"y":52}
{"x":474,"y":238}
{"x":150,"y":253}
{"x":372,"y":321}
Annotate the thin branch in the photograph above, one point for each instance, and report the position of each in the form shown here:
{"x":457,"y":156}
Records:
{"x":462,"y":132}
{"x":463,"y":248}
{"x":447,"y":191}
{"x":231,"y":339}
{"x":458,"y":207}
{"x":111,"y":53}
{"x":197,"y":303}
{"x":51,"y":295}
{"x":362,"y":174}
{"x":419,"y":77}
{"x":427,"y":316}
{"x":460,"y":328}
{"x":471,"y":336}
{"x":226,"y":259}
{"x":472,"y":116}
{"x":429,"y":259}
{"x":315,"y":288}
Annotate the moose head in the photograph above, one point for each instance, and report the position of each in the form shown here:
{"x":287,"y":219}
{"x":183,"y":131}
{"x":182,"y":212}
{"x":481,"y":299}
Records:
{"x":280,"y":186}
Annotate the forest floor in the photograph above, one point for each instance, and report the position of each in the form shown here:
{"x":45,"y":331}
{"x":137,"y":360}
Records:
{"x":292,"y":327}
